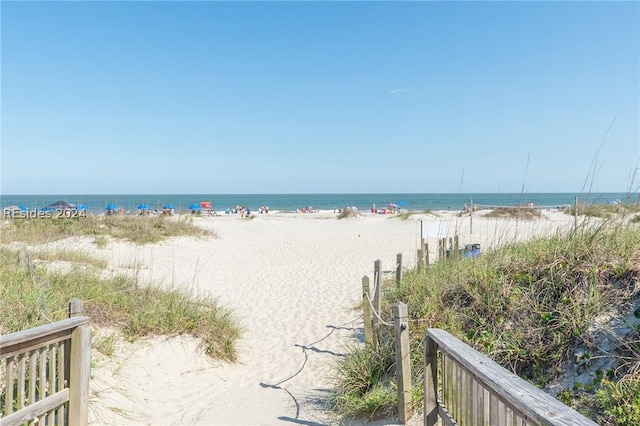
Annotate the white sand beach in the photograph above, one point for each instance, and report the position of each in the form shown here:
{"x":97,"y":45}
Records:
{"x":293,"y":282}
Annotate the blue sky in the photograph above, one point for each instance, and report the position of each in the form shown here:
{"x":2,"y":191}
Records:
{"x":319,"y":97}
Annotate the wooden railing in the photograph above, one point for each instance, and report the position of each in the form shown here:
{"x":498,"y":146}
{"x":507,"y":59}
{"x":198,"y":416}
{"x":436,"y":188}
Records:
{"x":474,"y":390}
{"x":44,"y":373}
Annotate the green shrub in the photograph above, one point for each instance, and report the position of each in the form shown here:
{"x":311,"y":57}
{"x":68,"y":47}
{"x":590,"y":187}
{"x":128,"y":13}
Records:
{"x":621,"y":400}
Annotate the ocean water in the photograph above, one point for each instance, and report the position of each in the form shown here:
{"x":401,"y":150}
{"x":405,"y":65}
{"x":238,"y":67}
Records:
{"x":291,"y":202}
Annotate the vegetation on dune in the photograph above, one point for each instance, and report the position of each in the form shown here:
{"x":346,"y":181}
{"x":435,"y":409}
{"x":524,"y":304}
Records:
{"x":529,"y":306}
{"x":605,"y":211}
{"x":137,"y":229}
{"x":406,"y":215}
{"x":524,"y":213}
{"x":32,"y":295}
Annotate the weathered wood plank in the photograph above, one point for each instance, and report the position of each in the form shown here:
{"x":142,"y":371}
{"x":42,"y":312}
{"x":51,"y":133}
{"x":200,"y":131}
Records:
{"x":42,"y":394}
{"x":11,"y":378}
{"x":79,"y":376}
{"x":475,"y":401}
{"x":37,"y":333}
{"x":377,"y":294}
{"x":53,"y":353}
{"x":35,"y":338}
{"x":521,"y":396}
{"x":366,"y":311}
{"x":430,"y":382}
{"x":21,"y":348}
{"x":403,"y":361}
{"x":61,"y":373}
{"x":22,"y":371}
{"x":33,"y":365}
{"x":494,"y":410}
{"x":36,"y":409}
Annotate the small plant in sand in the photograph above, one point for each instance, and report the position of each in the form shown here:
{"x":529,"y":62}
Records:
{"x":621,"y":400}
{"x":101,"y":241}
{"x":408,"y":215}
{"x":348,"y":212}
{"x":361,"y":379}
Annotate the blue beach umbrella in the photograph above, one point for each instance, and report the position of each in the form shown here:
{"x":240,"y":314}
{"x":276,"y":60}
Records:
{"x":143,"y":207}
{"x":111,"y":207}
{"x":81,"y":207}
{"x":194,"y":207}
{"x":168,"y":206}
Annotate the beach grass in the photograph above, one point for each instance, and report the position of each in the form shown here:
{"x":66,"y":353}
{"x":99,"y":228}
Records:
{"x":605,"y":211}
{"x":32,"y":295}
{"x":406,"y":215}
{"x":136,"y":229}
{"x":527,"y":305}
{"x":524,"y":213}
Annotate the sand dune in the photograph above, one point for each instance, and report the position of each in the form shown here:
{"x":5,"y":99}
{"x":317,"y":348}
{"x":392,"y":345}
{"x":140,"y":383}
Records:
{"x":292,"y":281}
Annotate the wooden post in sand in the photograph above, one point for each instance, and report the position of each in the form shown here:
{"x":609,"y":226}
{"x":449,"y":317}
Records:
{"x":471,"y":217}
{"x":75,"y":310}
{"x":403,"y":361}
{"x":78,"y":369}
{"x":419,"y":256}
{"x":366,"y":310}
{"x":398,"y":269}
{"x":377,"y":300}
{"x":456,"y":246}
{"x":426,"y":254}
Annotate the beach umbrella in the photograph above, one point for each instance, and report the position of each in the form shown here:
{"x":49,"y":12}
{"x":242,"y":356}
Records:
{"x":168,"y":206}
{"x":194,"y":207}
{"x":61,"y":205}
{"x":81,"y":207}
{"x":143,"y":207}
{"x":111,"y":207}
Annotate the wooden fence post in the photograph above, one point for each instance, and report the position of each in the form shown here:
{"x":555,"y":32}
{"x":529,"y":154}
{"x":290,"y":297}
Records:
{"x":419,"y":256}
{"x":575,"y":215}
{"x":430,"y":382}
{"x":366,"y":310}
{"x":79,"y":376}
{"x":377,"y":299}
{"x":78,"y":368}
{"x":398,"y":269}
{"x":426,"y":254}
{"x":403,"y":361}
{"x":75,"y":308}
{"x":471,"y":217}
{"x":456,"y":246}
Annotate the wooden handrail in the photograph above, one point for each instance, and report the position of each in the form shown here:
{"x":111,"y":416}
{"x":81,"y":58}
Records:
{"x":48,"y":370}
{"x":22,"y":341}
{"x":529,"y":403}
